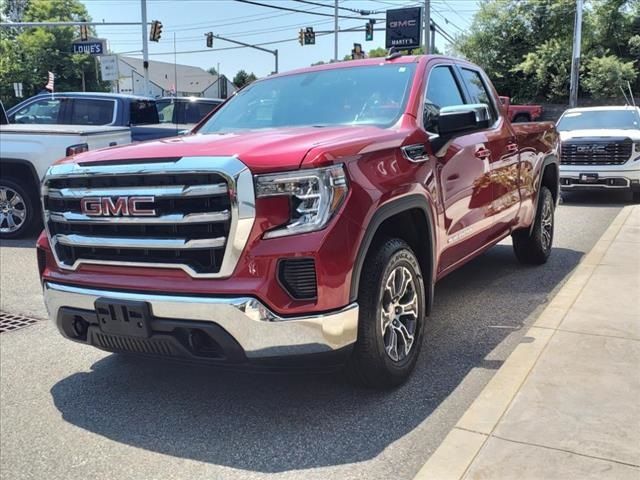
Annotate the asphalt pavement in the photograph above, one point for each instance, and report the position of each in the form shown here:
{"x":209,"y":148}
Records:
{"x":72,"y":412}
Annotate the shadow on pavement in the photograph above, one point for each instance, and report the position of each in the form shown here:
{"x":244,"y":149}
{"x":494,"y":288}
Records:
{"x":596,"y":198}
{"x":29,"y":242}
{"x":276,"y":423}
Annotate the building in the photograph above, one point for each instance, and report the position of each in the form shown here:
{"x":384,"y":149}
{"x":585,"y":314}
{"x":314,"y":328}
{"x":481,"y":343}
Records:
{"x":191,"y":81}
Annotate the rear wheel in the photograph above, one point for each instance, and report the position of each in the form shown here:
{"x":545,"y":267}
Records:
{"x":533,"y":246}
{"x":392,"y":310}
{"x":18,"y":212}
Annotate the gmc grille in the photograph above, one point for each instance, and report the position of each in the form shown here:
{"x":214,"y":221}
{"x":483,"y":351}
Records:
{"x":192,"y":227}
{"x":596,"y":152}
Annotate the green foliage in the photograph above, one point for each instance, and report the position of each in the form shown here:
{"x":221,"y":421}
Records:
{"x":525,"y":46}
{"x":213,"y":71}
{"x":26,"y":55}
{"x":607,"y":75}
{"x":243,"y":78}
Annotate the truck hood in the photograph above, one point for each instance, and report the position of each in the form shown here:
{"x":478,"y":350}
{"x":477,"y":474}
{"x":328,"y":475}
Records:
{"x":574,"y":134}
{"x":261,"y":150}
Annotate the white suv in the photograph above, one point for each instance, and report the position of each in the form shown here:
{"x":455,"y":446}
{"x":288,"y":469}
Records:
{"x":600,"y":148}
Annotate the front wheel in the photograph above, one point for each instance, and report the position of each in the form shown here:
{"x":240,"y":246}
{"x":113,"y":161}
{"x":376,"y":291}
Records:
{"x":391,"y":319}
{"x":533,"y":246}
{"x":17,"y":210}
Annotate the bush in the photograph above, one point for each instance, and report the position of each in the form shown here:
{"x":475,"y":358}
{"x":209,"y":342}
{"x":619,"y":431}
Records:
{"x":607,"y":75}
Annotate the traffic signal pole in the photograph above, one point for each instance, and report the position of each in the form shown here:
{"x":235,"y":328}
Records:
{"x":272,"y":52}
{"x":145,"y":47}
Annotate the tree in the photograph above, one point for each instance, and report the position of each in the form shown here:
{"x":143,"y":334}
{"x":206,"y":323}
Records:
{"x":26,"y":55}
{"x":525,"y":45}
{"x":607,"y":75}
{"x":243,"y":78}
{"x":213,"y":71}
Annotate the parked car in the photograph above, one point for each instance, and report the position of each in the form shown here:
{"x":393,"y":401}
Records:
{"x":600,"y":149}
{"x":26,"y":153}
{"x":307,"y":220}
{"x":522,"y":113}
{"x":185,"y":110}
{"x":79,"y":108}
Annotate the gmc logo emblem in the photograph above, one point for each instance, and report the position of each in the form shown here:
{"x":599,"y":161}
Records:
{"x":591,"y":149}
{"x":120,"y":207}
{"x":402,"y":23}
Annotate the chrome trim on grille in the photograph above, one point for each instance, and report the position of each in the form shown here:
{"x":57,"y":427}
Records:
{"x":75,"y":240}
{"x":239,"y":187}
{"x":259,"y":331}
{"x":209,"y":217}
{"x":158,"y":192}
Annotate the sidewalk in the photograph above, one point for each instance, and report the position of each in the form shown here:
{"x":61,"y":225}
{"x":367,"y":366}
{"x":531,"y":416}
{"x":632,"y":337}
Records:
{"x":566,"y":403}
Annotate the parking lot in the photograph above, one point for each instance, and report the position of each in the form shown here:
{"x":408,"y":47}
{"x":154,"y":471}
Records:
{"x":69,"y":411}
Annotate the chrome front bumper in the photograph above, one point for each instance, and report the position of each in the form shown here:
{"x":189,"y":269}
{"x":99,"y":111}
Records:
{"x":260,"y":332}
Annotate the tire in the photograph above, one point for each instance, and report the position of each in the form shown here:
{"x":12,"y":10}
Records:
{"x":521,"y":118}
{"x":533,"y":247}
{"x":18,"y":210}
{"x":375,"y":363}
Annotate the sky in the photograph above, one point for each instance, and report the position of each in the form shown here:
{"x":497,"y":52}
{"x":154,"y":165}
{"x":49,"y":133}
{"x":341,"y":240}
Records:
{"x":191,"y":19}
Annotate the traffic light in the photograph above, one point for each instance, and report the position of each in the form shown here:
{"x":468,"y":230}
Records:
{"x":369,"y":30}
{"x":209,"y":39}
{"x":156,"y":31}
{"x":301,"y":37}
{"x":309,"y":36}
{"x":84,"y":33}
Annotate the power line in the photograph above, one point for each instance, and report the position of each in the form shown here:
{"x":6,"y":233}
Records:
{"x":278,"y":7}
{"x":346,"y":9}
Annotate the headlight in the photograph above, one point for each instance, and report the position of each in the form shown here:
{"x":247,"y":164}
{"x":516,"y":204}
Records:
{"x":314,"y":195}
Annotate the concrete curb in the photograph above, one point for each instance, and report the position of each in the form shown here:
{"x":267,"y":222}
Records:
{"x":461,"y":446}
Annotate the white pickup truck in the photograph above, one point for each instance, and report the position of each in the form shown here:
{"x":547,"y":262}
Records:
{"x":26,"y":152}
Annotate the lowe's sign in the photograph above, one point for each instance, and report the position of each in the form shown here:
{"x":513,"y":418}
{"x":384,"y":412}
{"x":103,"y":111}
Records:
{"x":90,"y":47}
{"x":404,"y":26}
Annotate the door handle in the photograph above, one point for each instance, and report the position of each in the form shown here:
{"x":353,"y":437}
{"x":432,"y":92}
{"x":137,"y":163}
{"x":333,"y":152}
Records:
{"x":512,"y":147}
{"x":483,"y":153}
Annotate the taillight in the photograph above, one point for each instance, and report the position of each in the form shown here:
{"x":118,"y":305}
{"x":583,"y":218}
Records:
{"x":76,"y":149}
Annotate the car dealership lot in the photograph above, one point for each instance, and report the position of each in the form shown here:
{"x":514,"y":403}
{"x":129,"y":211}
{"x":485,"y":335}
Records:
{"x":69,"y":411}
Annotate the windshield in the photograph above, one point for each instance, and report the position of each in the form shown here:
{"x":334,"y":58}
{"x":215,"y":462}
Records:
{"x":600,"y":119}
{"x":368,"y":95}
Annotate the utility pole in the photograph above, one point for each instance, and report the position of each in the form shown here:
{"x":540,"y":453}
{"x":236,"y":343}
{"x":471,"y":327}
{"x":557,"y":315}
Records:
{"x":145,"y":46}
{"x":219,"y":81}
{"x":432,"y":28}
{"x":427,"y":26}
{"x":575,"y":62}
{"x":335,"y":35}
{"x":175,"y":67}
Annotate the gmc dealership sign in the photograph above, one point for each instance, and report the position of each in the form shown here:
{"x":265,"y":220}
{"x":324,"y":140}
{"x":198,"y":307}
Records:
{"x":403,"y":28}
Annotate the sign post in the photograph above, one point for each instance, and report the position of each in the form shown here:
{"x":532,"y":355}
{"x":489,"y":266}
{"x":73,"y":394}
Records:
{"x":404,"y":26}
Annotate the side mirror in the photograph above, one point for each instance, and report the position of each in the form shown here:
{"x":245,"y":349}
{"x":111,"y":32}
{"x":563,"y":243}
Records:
{"x":463,"y":118}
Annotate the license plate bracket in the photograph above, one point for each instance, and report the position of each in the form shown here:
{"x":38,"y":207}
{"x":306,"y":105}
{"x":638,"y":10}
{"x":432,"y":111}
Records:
{"x":588,"y":177}
{"x":124,"y":317}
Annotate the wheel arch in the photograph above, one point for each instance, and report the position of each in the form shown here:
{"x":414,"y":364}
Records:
{"x":549,"y":177}
{"x":409,"y":218}
{"x":21,"y":170}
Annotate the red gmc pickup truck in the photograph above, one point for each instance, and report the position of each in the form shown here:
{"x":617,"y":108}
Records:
{"x":308,"y":219}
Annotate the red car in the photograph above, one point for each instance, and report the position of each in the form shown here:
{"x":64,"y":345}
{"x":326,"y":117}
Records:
{"x":522,"y":113}
{"x":307,"y":220}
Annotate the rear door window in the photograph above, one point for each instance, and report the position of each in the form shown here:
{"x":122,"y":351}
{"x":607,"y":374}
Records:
{"x":196,"y":111}
{"x":90,"y":111}
{"x":143,"y":112}
{"x":477,"y":89}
